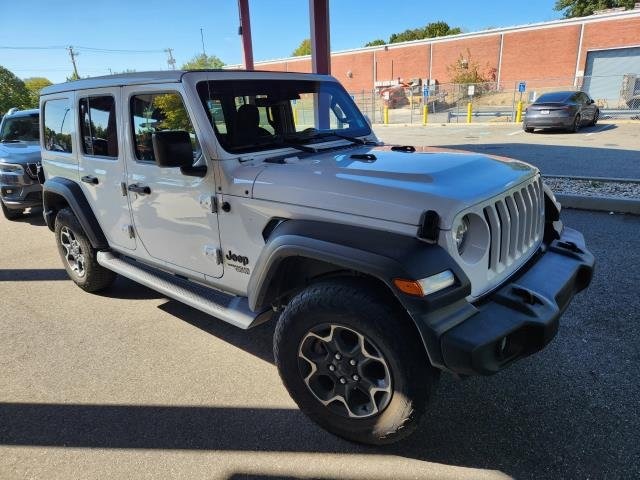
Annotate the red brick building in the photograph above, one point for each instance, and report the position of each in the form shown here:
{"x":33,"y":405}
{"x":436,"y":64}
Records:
{"x":552,"y":52}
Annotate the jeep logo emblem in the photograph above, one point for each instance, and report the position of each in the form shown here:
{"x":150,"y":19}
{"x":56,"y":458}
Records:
{"x":232,"y":257}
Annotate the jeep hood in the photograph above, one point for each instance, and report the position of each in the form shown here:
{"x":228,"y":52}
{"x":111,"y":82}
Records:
{"x":391,"y":185}
{"x":20,"y":152}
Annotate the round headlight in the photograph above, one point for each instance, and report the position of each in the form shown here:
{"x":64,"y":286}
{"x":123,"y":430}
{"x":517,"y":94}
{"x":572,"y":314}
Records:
{"x":460,"y":233}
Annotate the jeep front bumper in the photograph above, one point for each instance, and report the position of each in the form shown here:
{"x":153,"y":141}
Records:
{"x":519,"y":318}
{"x":19,"y":191}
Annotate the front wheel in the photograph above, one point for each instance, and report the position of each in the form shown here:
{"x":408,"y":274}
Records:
{"x":527,"y":129}
{"x":353,"y":363}
{"x":78,"y":256}
{"x":596,"y":117}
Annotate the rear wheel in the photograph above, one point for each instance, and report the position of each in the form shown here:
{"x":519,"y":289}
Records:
{"x":527,"y":129}
{"x":78,"y":256}
{"x":352,"y":363}
{"x":576,"y":124}
{"x":9,"y":213}
{"x":596,"y":117}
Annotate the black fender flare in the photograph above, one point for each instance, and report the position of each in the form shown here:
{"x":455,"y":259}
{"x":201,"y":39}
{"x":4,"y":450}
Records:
{"x":54,"y":189}
{"x":376,"y":253}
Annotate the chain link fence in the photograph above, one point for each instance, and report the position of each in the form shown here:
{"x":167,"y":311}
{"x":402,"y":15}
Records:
{"x":617,"y":96}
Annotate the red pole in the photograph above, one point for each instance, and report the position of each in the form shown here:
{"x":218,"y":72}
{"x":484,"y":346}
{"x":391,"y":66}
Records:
{"x":320,"y":44}
{"x":245,"y":32}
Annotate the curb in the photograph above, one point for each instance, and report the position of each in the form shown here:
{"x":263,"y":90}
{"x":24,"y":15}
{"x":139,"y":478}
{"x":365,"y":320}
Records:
{"x":603,"y":204}
{"x":595,"y":179}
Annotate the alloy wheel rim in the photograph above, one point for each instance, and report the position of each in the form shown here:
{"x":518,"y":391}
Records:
{"x":73,"y":254}
{"x":345,"y":371}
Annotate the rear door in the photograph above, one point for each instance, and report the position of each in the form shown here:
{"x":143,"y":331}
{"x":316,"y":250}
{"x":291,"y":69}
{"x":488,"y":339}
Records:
{"x":172,"y":212}
{"x":101,"y":163}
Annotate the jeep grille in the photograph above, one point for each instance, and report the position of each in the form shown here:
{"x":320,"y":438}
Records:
{"x":515,"y":224}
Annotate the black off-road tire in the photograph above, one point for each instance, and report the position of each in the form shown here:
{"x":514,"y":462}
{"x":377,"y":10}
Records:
{"x":363,"y":309}
{"x":9,"y":213}
{"x":95,"y":276}
{"x":596,"y":117}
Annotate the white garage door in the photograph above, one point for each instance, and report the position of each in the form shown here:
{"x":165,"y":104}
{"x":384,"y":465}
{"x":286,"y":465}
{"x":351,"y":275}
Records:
{"x":613,"y":75}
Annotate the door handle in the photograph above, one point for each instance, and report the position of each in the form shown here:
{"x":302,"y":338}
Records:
{"x":139,"y":189}
{"x":90,"y":179}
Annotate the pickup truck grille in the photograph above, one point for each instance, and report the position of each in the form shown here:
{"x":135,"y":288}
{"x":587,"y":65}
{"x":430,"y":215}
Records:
{"x":515,"y":224}
{"x":32,"y":170}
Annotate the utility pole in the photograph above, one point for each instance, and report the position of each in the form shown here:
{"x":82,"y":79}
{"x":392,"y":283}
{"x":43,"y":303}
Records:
{"x":202,"y":39}
{"x":170,"y":61}
{"x":73,"y":56}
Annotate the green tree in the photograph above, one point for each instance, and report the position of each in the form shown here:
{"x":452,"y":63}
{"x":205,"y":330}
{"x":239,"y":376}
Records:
{"x":73,"y":77}
{"x":203,"y":62}
{"x":13,"y":92}
{"x":34,"y":85}
{"x":582,"y":8}
{"x":303,"y":49}
{"x":375,"y":43}
{"x":430,"y":30}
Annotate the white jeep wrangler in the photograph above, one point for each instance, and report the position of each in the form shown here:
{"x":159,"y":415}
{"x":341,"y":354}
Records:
{"x":259,"y":195}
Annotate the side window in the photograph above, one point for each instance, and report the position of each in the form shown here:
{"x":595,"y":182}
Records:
{"x":156,"y":112}
{"x":58,"y":125}
{"x":217,"y":115}
{"x":98,"y":126}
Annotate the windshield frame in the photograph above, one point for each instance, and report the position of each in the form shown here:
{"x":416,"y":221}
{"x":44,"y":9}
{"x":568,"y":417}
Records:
{"x":278,"y":93}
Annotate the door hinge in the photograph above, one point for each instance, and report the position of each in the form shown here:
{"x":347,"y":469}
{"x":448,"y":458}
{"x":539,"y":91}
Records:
{"x":123,"y":189}
{"x":218,"y":256}
{"x":214,"y":204}
{"x":132,"y":232}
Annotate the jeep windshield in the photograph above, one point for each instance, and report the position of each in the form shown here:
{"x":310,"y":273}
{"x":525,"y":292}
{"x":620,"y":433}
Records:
{"x":23,"y":128}
{"x":255,"y":115}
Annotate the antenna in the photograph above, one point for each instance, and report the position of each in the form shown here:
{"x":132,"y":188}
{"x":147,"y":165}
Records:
{"x":73,"y":56}
{"x":202,"y":39}
{"x":170,"y":61}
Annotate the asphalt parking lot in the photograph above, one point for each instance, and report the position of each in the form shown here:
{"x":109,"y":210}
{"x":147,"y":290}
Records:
{"x":605,"y":150}
{"x":128,"y":384}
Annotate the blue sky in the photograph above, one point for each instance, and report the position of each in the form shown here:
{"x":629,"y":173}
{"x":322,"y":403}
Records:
{"x":278,"y":26}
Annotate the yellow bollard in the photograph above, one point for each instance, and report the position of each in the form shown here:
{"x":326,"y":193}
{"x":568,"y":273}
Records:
{"x":425,"y":114}
{"x":295,"y":116}
{"x":385,"y":115}
{"x":519,"y":112}
{"x":469,"y":111}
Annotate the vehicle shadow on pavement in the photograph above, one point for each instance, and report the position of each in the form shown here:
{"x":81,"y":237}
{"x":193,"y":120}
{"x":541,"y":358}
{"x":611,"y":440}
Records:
{"x":32,"y":274}
{"x":565,"y":159}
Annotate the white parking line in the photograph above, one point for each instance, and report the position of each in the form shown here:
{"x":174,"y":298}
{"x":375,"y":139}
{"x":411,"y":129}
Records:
{"x":601,"y":129}
{"x":516,"y":132}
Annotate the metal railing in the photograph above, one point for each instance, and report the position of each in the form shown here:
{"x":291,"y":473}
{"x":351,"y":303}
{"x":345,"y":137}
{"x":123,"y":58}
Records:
{"x":617,"y":96}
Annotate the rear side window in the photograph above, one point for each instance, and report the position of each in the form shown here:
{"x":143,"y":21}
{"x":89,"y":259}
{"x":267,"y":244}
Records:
{"x":157,"y":112}
{"x":58,"y":125}
{"x":98,"y":126}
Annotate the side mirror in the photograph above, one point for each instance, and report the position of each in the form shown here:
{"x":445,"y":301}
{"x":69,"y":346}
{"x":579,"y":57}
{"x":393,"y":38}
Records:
{"x":592,"y":101}
{"x":172,"y":148}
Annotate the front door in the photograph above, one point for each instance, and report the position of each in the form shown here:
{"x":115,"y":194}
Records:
{"x":101,"y":164}
{"x":172,"y":212}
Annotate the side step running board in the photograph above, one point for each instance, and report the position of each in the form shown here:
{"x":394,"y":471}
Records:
{"x":232,"y":309}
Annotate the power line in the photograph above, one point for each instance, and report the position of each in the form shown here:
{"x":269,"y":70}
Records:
{"x":88,"y":49}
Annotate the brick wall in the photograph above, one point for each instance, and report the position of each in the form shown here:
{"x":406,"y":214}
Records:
{"x":544,"y":56}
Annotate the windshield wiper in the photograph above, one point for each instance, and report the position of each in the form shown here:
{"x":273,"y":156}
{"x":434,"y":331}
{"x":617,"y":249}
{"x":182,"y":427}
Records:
{"x":302,"y":148}
{"x":355,"y":140}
